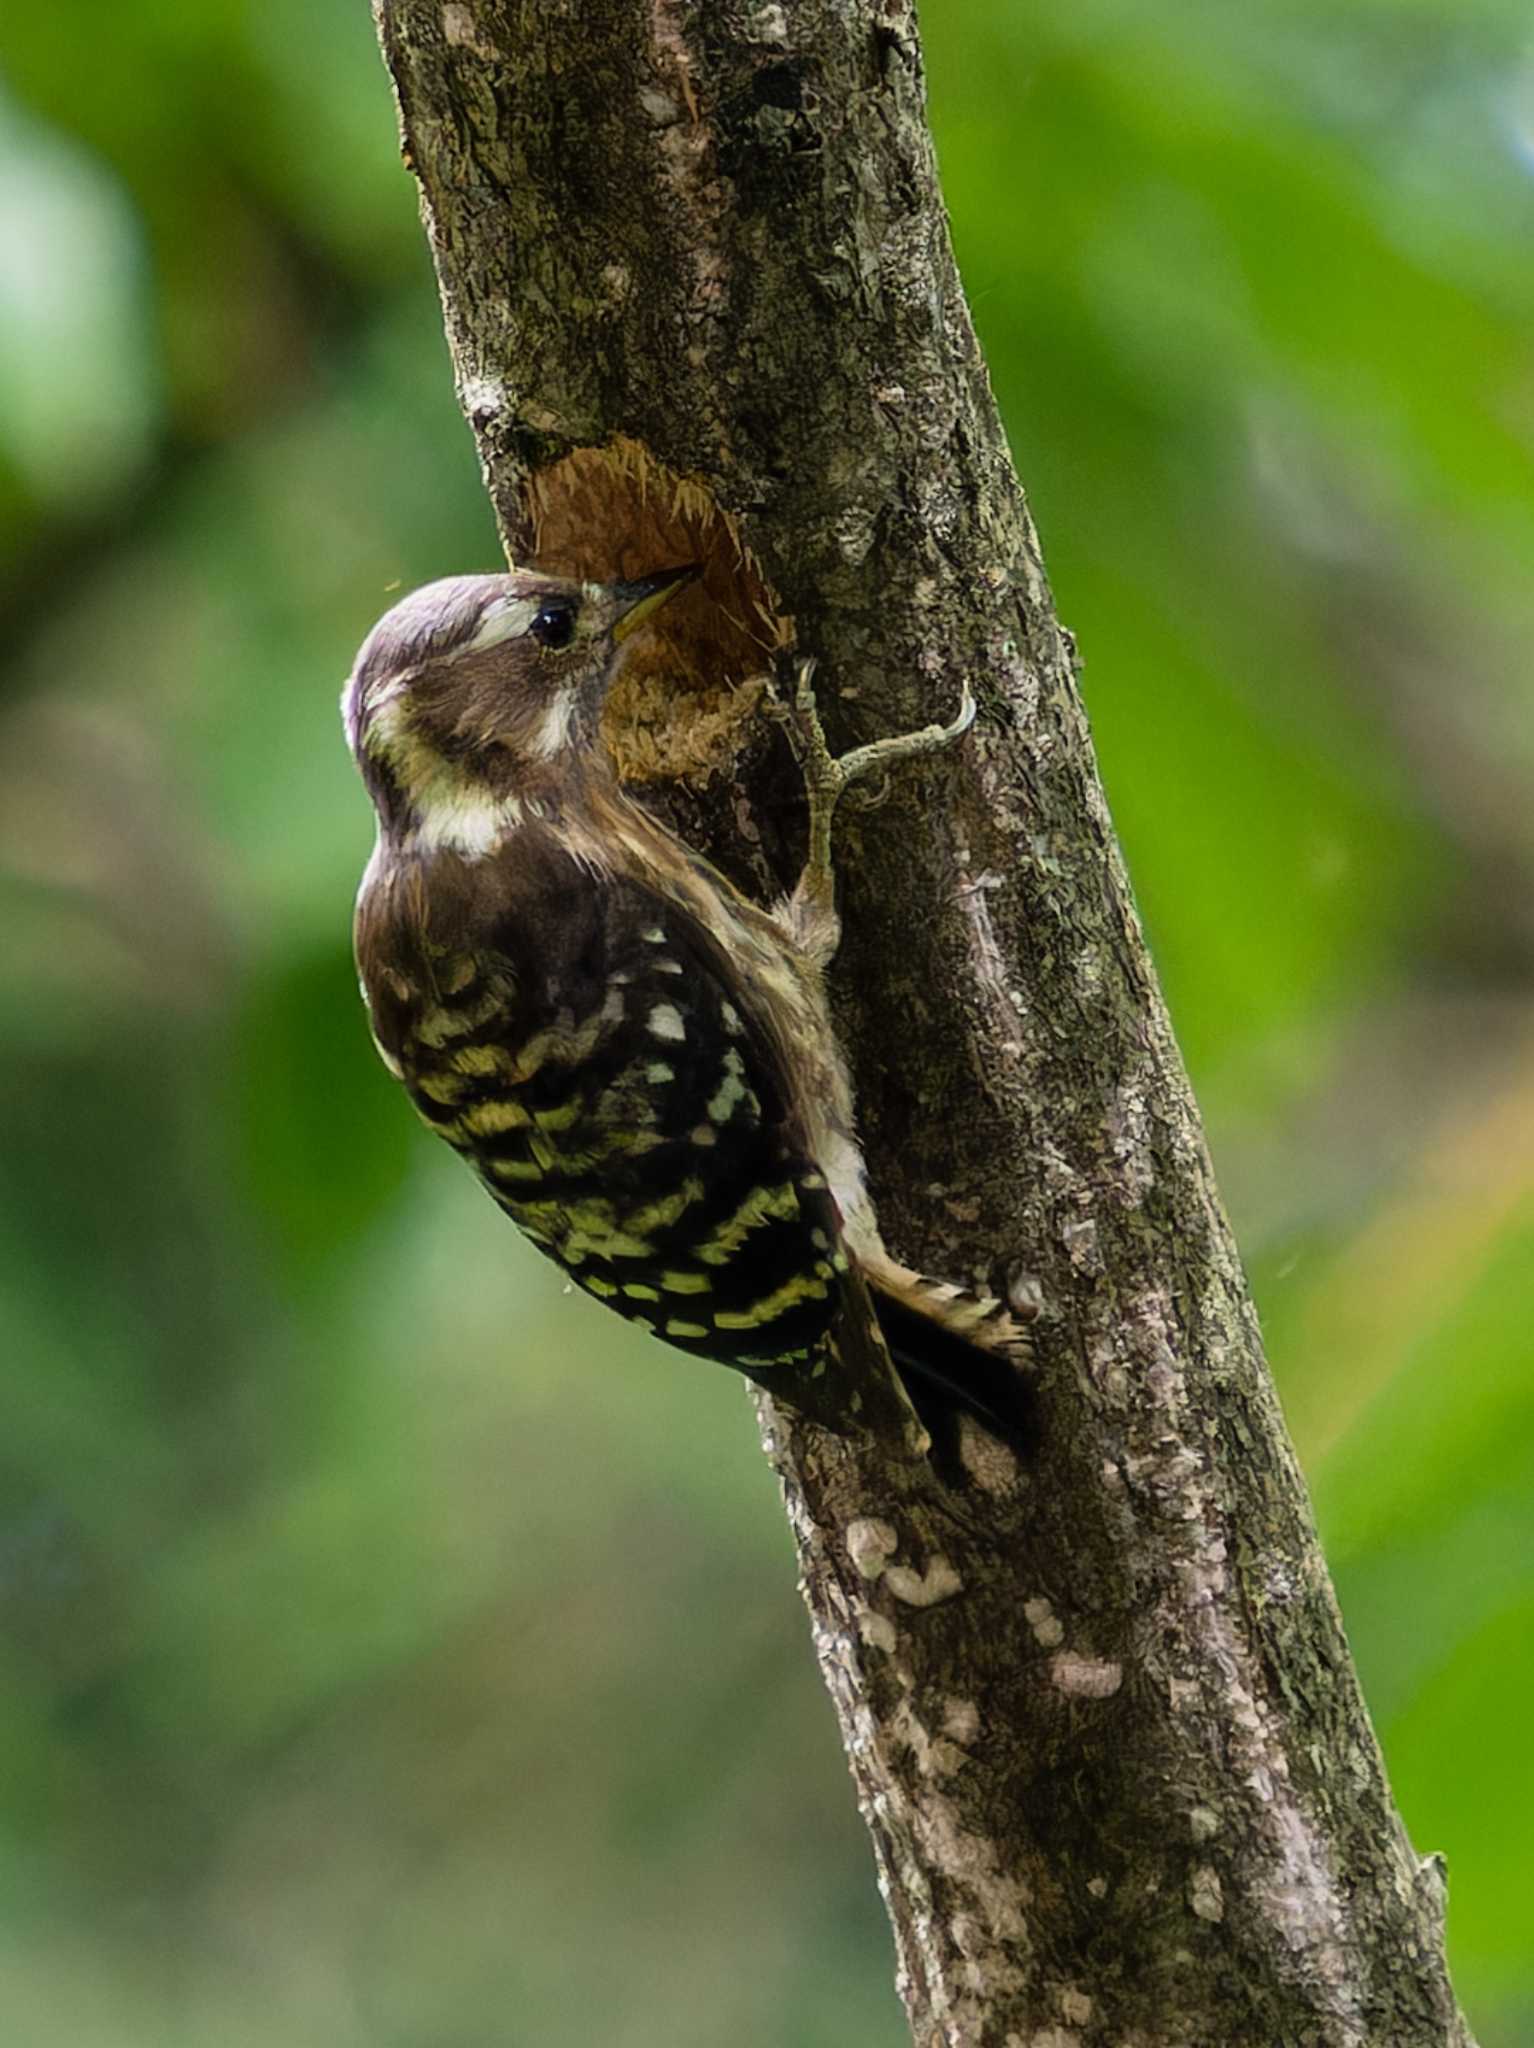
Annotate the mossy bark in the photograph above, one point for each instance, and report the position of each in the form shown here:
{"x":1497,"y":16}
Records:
{"x":1101,"y":1715}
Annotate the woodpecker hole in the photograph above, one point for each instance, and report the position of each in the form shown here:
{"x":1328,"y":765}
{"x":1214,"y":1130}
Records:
{"x":686,"y":702}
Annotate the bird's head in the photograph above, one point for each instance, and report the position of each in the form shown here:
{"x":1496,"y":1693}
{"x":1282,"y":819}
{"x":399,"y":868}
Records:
{"x":481,"y":693}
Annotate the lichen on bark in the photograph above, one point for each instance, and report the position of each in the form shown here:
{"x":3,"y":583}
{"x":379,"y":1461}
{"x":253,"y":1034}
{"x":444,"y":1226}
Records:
{"x":1100,"y":1711}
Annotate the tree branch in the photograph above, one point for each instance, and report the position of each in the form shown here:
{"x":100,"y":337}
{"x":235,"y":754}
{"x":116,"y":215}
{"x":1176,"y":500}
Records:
{"x":1101,"y":1714}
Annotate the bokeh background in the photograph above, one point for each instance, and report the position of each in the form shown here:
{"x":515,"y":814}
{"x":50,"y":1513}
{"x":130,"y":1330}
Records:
{"x":330,"y":1712}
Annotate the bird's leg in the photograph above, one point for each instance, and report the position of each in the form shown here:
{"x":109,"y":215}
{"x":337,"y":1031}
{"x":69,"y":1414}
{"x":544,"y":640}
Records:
{"x":827,"y":777}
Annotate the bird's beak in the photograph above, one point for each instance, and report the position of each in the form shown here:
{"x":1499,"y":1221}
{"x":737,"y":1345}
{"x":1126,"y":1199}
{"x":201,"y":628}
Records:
{"x":635,"y":602}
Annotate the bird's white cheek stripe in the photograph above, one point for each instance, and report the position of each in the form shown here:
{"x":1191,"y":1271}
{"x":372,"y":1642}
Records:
{"x":385,"y":724}
{"x":469,"y":822}
{"x":554,"y":730}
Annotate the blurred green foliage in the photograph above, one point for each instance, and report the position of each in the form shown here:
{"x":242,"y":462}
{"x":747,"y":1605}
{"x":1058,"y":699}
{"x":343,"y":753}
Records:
{"x":331,"y":1713}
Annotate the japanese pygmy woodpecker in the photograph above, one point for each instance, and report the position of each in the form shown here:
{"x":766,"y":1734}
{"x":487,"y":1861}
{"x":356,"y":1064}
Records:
{"x":637,"y":1061}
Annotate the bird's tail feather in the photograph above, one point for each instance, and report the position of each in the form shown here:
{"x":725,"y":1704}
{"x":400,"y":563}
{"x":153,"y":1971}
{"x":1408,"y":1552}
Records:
{"x":948,"y":1371}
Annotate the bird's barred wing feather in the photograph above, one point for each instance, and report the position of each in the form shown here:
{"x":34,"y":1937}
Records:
{"x":586,"y":1054}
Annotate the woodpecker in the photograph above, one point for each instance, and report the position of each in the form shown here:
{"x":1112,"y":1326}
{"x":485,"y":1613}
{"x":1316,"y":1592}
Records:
{"x":637,"y":1060}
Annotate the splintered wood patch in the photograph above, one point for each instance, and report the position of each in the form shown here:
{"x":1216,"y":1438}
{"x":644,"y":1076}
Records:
{"x":684,"y":703}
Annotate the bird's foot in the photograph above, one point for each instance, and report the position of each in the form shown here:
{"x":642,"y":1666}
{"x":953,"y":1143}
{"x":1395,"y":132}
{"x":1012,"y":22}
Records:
{"x":828,"y":776}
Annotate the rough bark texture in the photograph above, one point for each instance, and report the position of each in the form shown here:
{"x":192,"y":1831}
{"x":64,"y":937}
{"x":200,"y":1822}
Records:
{"x":1100,"y":1714}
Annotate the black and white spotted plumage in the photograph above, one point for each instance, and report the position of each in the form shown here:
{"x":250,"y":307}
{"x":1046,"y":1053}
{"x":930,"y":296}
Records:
{"x":637,"y":1061}
{"x":576,"y":1041}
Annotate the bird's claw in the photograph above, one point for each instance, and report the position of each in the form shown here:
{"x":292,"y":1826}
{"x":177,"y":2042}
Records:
{"x":828,"y":776}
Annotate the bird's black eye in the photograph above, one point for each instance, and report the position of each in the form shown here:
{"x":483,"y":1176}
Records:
{"x":554,"y":625}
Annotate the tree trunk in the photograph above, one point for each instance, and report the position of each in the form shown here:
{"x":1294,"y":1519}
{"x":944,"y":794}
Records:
{"x":1100,"y":1711}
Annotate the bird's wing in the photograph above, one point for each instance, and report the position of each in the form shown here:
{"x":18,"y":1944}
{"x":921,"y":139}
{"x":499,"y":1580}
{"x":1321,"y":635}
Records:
{"x":593,"y":1059}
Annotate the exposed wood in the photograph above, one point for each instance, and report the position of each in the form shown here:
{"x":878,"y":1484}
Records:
{"x":1101,"y":1714}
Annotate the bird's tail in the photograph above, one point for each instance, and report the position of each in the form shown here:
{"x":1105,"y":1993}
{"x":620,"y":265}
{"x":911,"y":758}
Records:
{"x":954,"y":1353}
{"x":959,"y":1353}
